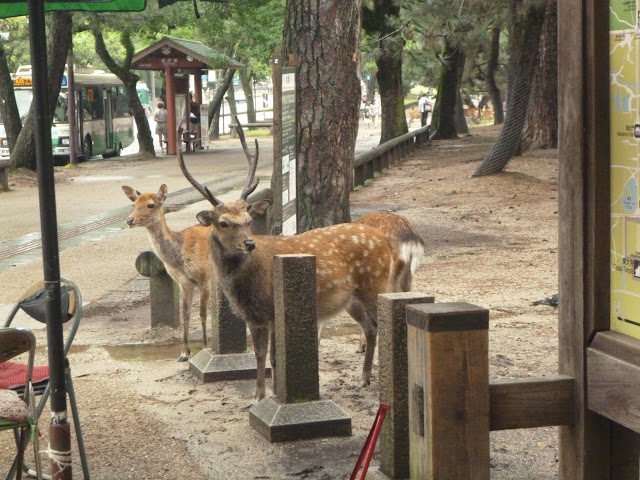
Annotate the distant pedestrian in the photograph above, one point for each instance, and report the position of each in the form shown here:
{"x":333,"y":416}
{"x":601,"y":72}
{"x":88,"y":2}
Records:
{"x":160,"y":116}
{"x":375,"y":110}
{"x":425,"y":108}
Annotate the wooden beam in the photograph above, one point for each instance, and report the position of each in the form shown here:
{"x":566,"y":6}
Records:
{"x":613,"y":374}
{"x":531,"y":402}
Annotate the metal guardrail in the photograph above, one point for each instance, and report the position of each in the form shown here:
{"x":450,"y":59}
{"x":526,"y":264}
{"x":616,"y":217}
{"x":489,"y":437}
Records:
{"x":366,"y":164}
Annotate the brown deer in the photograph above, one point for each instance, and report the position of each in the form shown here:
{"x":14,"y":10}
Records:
{"x":185,"y":255}
{"x":354,"y":264}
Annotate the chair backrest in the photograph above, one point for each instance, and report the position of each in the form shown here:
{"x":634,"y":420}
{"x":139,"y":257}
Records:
{"x":33,"y":302}
{"x":16,"y":341}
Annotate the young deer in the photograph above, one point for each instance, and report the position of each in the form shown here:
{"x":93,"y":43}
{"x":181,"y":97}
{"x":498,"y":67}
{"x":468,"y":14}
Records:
{"x":185,"y":255}
{"x":354,"y":263}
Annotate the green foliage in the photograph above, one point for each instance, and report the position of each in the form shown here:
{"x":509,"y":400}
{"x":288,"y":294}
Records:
{"x":465,"y":23}
{"x":17,"y":41}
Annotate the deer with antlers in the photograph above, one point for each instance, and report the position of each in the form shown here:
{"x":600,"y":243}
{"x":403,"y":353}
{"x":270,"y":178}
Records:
{"x":185,"y":255}
{"x":355,"y":262}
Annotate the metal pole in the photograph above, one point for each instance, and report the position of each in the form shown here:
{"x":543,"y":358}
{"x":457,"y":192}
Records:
{"x":59,"y":429}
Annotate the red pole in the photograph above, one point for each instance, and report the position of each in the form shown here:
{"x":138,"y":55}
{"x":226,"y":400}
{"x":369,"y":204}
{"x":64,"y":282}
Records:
{"x":369,"y":445}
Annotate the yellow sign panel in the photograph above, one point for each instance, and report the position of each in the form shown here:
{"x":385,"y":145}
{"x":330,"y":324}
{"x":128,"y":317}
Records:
{"x":624,"y":62}
{"x":22,"y":82}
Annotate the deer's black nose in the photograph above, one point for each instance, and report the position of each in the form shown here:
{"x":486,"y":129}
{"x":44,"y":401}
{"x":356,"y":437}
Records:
{"x":130,"y":221}
{"x":250,"y":243}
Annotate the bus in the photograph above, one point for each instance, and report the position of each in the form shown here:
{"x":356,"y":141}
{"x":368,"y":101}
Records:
{"x":103,"y":118}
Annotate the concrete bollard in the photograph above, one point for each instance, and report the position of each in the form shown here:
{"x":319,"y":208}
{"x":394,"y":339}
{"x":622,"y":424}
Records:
{"x":448,"y":347}
{"x":297,"y":411}
{"x":164,"y":292}
{"x":392,"y":358}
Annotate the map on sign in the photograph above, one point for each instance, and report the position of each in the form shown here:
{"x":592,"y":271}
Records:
{"x":624,"y":75}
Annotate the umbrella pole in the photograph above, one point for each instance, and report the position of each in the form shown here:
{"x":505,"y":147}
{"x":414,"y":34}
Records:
{"x":59,"y":429}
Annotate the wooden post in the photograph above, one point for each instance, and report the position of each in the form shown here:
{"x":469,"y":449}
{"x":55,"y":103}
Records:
{"x":448,"y":349}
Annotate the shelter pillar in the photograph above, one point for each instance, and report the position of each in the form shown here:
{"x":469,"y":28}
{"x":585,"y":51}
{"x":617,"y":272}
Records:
{"x":197,"y":97}
{"x":171,"y":110}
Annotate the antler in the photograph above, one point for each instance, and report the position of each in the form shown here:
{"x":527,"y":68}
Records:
{"x":204,"y":191}
{"x":253,"y":163}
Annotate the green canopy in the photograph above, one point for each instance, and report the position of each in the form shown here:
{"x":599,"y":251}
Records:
{"x":16,"y":8}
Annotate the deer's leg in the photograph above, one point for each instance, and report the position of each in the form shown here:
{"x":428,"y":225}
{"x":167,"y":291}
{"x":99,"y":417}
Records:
{"x":272,"y":355}
{"x":186,"y":297}
{"x":205,"y":293}
{"x":260,"y":336}
{"x":367,"y":320}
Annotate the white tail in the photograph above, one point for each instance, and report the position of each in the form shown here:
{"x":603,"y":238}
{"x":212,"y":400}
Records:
{"x":354,"y":264}
{"x":185,"y":255}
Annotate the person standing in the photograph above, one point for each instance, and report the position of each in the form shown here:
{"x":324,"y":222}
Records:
{"x":425,"y":107}
{"x":160,"y":116}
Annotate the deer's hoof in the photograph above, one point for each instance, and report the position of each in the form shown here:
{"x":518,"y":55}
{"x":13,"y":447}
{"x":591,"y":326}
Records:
{"x":183,"y":358}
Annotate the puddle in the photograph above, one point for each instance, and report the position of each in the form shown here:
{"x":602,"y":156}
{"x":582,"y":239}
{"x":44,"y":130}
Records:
{"x":143,"y":352}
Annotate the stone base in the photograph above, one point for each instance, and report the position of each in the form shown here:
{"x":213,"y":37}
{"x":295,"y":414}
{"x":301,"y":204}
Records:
{"x":212,"y":367}
{"x":279,"y":422}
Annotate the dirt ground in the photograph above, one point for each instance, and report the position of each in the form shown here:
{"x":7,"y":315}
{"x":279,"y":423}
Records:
{"x":490,"y":241}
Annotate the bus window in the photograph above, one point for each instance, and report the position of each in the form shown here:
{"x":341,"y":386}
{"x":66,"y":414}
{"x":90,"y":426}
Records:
{"x":92,"y":103}
{"x":124,"y":104}
{"x":61,"y":113}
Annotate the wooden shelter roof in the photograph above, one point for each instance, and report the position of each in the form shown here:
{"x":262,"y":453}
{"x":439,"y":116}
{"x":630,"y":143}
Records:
{"x":181,"y":53}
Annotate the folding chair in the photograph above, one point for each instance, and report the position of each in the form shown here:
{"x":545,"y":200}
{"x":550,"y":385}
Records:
{"x":19,"y":414}
{"x":32,"y":303}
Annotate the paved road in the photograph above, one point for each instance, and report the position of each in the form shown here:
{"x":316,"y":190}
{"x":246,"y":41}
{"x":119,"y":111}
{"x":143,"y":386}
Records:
{"x":97,"y":250}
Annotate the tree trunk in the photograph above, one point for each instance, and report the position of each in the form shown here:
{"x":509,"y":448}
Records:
{"x":129,"y":79}
{"x":216,"y":102}
{"x":393,"y":118}
{"x":492,"y":86}
{"x":382,"y":21}
{"x":8,"y":107}
{"x":245,"y":79}
{"x":323,"y":37}
{"x":443,"y":124}
{"x":541,"y":127}
{"x":458,"y":116}
{"x":524,"y":46}
{"x":24,"y":153}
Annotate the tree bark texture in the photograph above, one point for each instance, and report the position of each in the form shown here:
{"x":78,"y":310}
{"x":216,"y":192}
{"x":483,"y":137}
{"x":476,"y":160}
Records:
{"x":541,"y":126}
{"x":24,"y":153}
{"x":443,"y":124}
{"x":129,"y":79}
{"x":323,"y":39}
{"x":381,"y":20}
{"x":524,"y":46}
{"x":245,"y":79}
{"x":492,"y":85}
{"x":393,"y":119}
{"x":216,"y":102}
{"x":8,"y":106}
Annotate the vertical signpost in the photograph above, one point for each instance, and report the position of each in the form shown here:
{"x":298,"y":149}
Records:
{"x":285,"y":152}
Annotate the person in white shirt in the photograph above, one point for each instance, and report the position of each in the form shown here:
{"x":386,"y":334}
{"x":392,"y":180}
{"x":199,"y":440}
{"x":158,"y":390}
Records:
{"x":425,"y":107}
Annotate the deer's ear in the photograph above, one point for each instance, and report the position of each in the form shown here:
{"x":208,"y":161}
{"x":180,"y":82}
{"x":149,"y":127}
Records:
{"x":205,"y":217}
{"x":258,"y":208}
{"x":130,"y":192}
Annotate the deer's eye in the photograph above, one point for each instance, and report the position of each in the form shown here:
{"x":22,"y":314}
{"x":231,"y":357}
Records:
{"x":151,"y":205}
{"x":223,"y":224}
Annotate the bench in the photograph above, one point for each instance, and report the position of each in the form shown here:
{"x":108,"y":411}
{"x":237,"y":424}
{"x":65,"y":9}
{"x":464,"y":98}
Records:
{"x":4,"y":174}
{"x":191,"y":141}
{"x":233,"y":126}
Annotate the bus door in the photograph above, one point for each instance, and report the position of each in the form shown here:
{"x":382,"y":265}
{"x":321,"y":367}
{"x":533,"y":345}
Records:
{"x":108,"y":118}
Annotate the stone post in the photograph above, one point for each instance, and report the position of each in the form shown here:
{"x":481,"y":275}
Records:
{"x":394,"y":391}
{"x":297,"y":411}
{"x":164,"y":292}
